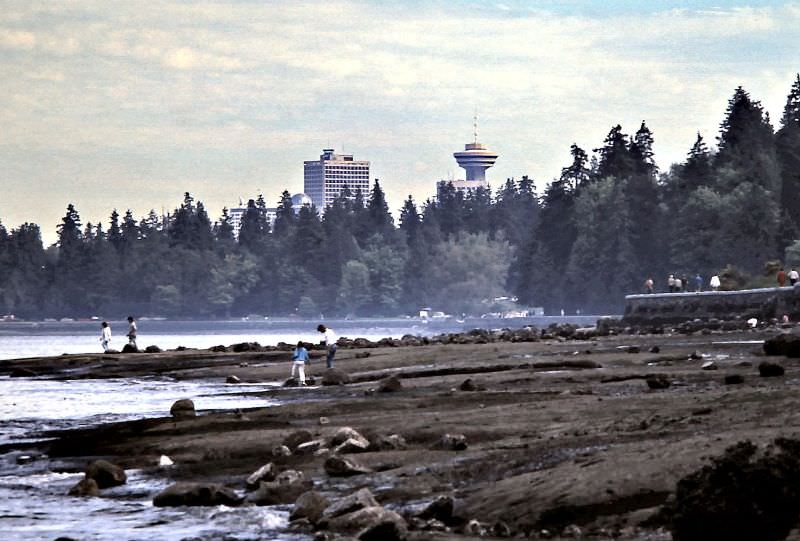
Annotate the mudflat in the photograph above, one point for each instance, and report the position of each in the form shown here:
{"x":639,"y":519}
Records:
{"x":561,"y":438}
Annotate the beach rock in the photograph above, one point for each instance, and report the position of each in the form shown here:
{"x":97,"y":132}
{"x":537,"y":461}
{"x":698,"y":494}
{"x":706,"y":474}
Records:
{"x":372,"y":524}
{"x":106,"y":474}
{"x":709,"y":365}
{"x":746,"y":494}
{"x":655,"y":349}
{"x":333,"y":376}
{"x":387,"y":443}
{"x":501,"y":529}
{"x":111,"y":352}
{"x":451,"y":442}
{"x":196,"y":494}
{"x":767,"y":369}
{"x":390,"y":385}
{"x":183,"y":409}
{"x":128,"y":348}
{"x":362,"y":354}
{"x":657,"y":382}
{"x":286,"y":488}
{"x":165,"y":461}
{"x":23,"y":373}
{"x":696,"y":356}
{"x":468,"y":385}
{"x":345,"y":433}
{"x":337,"y":466}
{"x":310,"y":505}
{"x":152,"y":349}
{"x":85,"y":487}
{"x":232,"y":379}
{"x":352,"y":445}
{"x":309,"y":447}
{"x":218,"y":349}
{"x":324,"y":421}
{"x":733,"y":379}
{"x":783,"y":344}
{"x":266,"y":473}
{"x":440,"y":509}
{"x":246,"y":346}
{"x":296,"y":438}
{"x":359,"y":499}
{"x":281,"y":451}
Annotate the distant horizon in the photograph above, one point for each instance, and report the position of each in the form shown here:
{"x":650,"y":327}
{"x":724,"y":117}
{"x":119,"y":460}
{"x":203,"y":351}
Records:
{"x":111,"y":106}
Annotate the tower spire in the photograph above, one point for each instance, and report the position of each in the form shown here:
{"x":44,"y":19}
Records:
{"x":475,"y":126}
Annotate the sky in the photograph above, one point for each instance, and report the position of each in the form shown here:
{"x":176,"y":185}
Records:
{"x":130,"y":104}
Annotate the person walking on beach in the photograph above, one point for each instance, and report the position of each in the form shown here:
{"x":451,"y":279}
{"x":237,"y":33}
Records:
{"x":299,"y":359}
{"x":132,"y":332}
{"x":105,"y":336}
{"x":714,"y":283}
{"x":648,"y":285}
{"x":781,"y":278}
{"x":793,"y":276}
{"x":329,"y":339}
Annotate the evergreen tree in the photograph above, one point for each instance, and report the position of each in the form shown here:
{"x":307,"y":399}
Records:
{"x":253,"y":230}
{"x":223,"y":230}
{"x":380,"y":220}
{"x":285,"y":218}
{"x":576,"y":174}
{"x":410,"y":220}
{"x":615,"y":155}
{"x":788,"y":155}
{"x":114,"y":233}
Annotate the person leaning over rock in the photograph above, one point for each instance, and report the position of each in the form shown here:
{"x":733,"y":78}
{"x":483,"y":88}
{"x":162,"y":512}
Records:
{"x":299,"y":359}
{"x":329,"y":339}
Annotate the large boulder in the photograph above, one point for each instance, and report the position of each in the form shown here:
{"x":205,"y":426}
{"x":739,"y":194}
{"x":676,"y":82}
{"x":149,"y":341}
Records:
{"x":286,"y":488}
{"x":85,"y":487}
{"x":333,"y":376}
{"x":440,"y":509}
{"x":266,"y":473}
{"x":183,"y":409}
{"x":293,"y":440}
{"x":346,"y":433}
{"x":352,"y":502}
{"x":352,"y":445}
{"x":196,"y":494}
{"x":767,"y":369}
{"x":152,"y":349}
{"x":337,"y":466}
{"x":310,"y":506}
{"x":372,"y":524}
{"x":128,"y":348}
{"x":391,"y":442}
{"x":106,"y":474}
{"x":783,"y":344}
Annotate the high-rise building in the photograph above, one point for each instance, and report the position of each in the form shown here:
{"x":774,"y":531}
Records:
{"x":324,"y":179}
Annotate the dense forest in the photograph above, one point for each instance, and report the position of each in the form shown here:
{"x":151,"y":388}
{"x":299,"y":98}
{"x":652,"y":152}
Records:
{"x":601,"y":228}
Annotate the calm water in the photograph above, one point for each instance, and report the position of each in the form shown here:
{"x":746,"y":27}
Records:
{"x":33,"y":501}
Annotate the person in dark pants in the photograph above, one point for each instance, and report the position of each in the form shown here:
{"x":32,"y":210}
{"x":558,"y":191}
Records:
{"x":329,"y":339}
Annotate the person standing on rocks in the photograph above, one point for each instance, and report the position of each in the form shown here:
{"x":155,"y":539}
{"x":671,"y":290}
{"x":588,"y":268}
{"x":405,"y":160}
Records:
{"x":781,"y":278}
{"x":671,"y":283}
{"x":329,"y":339}
{"x":132,"y":332}
{"x":648,"y":285}
{"x":714,"y":283}
{"x":105,"y":336}
{"x":678,"y":285}
{"x":793,"y":276}
{"x":299,"y":359}
{"x":698,"y":283}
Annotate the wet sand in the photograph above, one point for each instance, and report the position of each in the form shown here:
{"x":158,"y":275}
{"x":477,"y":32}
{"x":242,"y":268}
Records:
{"x":563,"y":436}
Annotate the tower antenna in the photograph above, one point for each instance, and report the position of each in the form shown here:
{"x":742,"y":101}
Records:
{"x":475,"y":125}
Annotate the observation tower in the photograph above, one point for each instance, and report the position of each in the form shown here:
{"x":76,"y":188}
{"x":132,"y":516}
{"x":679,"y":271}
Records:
{"x":476,"y":158}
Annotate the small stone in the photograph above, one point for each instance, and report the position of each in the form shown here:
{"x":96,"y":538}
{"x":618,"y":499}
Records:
{"x":281,"y":450}
{"x":310,"y":505}
{"x":183,"y":409}
{"x":657,"y":382}
{"x":391,"y":384}
{"x":695,"y":355}
{"x":451,"y":442}
{"x":106,"y":474}
{"x":296,"y":438}
{"x":770,"y":370}
{"x":309,"y":447}
{"x":709,"y":365}
{"x":337,"y":466}
{"x":85,"y":487}
{"x":324,"y":421}
{"x":266,"y":472}
{"x":733,"y":379}
{"x":232,"y":379}
{"x":655,"y":349}
{"x":164,"y":460}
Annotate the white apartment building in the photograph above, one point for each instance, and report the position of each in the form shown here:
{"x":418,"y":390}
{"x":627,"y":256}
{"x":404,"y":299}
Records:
{"x":324,"y":179}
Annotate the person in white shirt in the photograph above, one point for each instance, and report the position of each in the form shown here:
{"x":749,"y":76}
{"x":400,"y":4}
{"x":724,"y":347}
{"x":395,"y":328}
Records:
{"x":105,"y":336}
{"x":329,"y":338}
{"x":793,"y":276}
{"x":714,"y":282}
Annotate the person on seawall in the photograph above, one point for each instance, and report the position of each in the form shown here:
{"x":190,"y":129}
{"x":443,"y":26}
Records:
{"x":132,"y":332}
{"x":329,"y":339}
{"x":299,"y":359}
{"x":698,"y":283}
{"x":648,"y":285}
{"x":685,"y":283}
{"x":671,"y":283}
{"x":678,"y":285}
{"x":715,"y":283}
{"x":793,"y":276}
{"x":781,"y":277}
{"x":105,"y":336}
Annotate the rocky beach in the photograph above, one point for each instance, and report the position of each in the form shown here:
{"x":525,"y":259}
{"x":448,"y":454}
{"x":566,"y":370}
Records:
{"x":559,"y":433}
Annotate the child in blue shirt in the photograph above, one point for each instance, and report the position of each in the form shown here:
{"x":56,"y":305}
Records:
{"x":299,"y":358}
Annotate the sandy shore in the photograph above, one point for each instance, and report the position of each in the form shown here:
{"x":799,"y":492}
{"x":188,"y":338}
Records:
{"x":562,"y":436}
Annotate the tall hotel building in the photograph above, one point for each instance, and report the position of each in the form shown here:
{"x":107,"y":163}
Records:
{"x":324,"y":179}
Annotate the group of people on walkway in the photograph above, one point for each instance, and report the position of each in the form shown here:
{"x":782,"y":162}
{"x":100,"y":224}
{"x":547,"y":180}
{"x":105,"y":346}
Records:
{"x":105,"y":334}
{"x":683,"y":284}
{"x":792,"y":275}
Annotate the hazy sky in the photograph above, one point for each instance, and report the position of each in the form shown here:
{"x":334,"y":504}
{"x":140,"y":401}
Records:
{"x":130,"y":104}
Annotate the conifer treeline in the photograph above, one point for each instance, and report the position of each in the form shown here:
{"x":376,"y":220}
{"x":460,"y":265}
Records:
{"x":598,"y":231}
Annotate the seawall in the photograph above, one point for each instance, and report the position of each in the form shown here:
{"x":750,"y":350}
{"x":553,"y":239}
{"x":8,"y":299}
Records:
{"x":764,"y":303}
